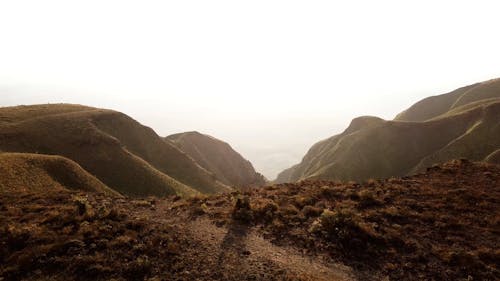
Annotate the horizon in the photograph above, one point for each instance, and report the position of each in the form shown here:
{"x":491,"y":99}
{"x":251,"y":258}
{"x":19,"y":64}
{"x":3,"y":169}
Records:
{"x":270,"y":87}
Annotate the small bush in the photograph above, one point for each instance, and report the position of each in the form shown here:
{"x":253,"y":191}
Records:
{"x":310,"y":211}
{"x":242,"y":211}
{"x":367,"y":199}
{"x":265,"y":210}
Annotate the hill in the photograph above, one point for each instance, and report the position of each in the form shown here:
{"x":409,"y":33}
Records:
{"x":127,"y":156}
{"x":461,"y":124}
{"x":432,"y":107}
{"x":218,"y":157}
{"x":438,"y":225}
{"x":34,"y":172}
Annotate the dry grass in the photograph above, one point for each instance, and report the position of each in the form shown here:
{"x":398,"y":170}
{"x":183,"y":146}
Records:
{"x":40,"y":173}
{"x":64,"y":235}
{"x":441,"y":225}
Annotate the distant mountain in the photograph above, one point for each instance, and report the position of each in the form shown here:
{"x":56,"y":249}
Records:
{"x":125,"y":155}
{"x":35,"y":172}
{"x":218,"y":157}
{"x":464,"y":123}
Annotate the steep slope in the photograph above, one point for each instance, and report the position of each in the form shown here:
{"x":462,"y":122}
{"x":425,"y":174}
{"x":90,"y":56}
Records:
{"x":219,"y":158}
{"x":462,"y":124}
{"x":125,"y":155}
{"x":34,"y":172}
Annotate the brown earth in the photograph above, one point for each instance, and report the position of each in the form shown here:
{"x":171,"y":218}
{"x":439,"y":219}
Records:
{"x":443,"y":224}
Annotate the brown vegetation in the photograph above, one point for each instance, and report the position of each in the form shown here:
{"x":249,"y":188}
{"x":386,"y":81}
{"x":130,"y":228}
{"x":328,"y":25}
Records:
{"x":439,"y":225}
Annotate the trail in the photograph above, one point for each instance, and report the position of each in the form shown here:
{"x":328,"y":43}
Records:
{"x":238,"y":252}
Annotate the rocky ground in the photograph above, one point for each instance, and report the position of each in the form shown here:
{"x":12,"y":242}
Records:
{"x":440,"y":225}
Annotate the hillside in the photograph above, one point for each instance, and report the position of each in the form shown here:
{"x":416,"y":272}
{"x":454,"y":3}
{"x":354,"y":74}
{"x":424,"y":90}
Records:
{"x":40,"y":173}
{"x":462,"y":124}
{"x":218,"y":157}
{"x":125,"y":155}
{"x":432,"y":107}
{"x":438,"y":225}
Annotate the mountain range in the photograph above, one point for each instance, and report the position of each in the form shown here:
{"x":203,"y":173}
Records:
{"x":92,"y":194}
{"x":129,"y":158}
{"x":122,"y":153}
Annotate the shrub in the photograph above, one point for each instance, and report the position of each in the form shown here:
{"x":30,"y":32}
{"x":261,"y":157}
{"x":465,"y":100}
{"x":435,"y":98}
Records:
{"x":367,"y":199}
{"x":301,"y":201}
{"x":337,"y":224}
{"x":265,"y":210}
{"x":311,"y":211}
{"x":348,"y":231}
{"x":242,"y":211}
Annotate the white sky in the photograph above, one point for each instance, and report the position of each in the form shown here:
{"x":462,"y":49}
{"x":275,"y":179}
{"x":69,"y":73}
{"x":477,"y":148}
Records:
{"x":269,"y":77}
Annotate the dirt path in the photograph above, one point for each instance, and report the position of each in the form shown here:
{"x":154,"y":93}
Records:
{"x":237,"y":252}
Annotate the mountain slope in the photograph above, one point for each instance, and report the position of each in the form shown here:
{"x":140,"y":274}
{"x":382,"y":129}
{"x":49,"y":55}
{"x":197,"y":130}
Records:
{"x":34,"y":172}
{"x":432,"y":107}
{"x":438,"y":225}
{"x":464,"y":123}
{"x":122,"y":153}
{"x":219,"y":158}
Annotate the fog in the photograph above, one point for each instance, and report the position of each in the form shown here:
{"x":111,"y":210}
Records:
{"x":269,"y":77}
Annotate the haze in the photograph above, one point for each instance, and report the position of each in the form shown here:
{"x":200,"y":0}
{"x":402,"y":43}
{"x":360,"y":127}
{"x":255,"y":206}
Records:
{"x":269,"y":77}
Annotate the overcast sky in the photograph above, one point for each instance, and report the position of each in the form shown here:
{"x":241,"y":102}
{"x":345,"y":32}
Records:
{"x":269,"y":77}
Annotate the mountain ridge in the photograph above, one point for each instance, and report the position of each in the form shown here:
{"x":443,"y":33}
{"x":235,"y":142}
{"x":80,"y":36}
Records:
{"x":418,"y":137}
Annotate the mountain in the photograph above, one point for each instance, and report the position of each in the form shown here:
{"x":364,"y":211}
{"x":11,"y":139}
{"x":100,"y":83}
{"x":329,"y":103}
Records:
{"x":464,"y":123}
{"x":432,"y":107}
{"x":218,"y":157}
{"x":35,"y":172}
{"x":125,"y":155}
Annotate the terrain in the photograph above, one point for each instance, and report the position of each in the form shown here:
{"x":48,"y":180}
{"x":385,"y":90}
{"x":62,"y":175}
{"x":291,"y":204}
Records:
{"x":218,"y":157}
{"x":125,"y":155}
{"x":442,"y":224}
{"x":40,"y":173}
{"x":463,"y":123}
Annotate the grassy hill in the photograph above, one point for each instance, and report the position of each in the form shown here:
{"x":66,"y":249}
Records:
{"x":35,"y":172}
{"x":462,"y":124}
{"x":127,"y":156}
{"x":432,"y":107}
{"x":219,"y":158}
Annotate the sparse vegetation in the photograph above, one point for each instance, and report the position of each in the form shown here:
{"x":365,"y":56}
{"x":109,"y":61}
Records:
{"x":439,"y":225}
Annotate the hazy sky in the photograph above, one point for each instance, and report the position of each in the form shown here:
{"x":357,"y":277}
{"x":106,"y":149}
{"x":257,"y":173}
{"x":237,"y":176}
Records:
{"x":269,"y":77}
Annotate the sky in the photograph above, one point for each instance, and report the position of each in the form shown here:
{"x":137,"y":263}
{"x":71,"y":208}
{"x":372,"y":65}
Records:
{"x":269,"y":77}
